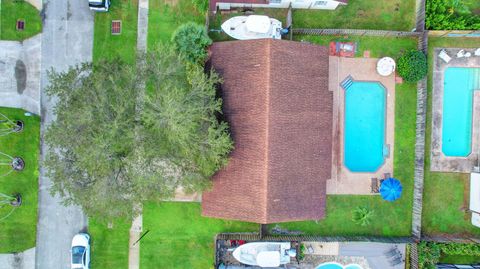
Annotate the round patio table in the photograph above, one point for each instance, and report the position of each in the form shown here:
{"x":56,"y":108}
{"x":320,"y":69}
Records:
{"x":385,"y":66}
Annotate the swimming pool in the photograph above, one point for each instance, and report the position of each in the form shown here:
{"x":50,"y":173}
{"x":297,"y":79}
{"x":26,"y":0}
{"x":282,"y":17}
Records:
{"x":364,"y":136}
{"x":334,"y":265}
{"x":458,"y":86}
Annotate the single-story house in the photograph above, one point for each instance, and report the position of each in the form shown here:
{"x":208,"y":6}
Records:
{"x":279,"y":107}
{"x":301,"y":4}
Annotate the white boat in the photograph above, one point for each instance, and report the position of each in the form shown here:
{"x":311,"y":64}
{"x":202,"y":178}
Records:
{"x":253,"y":27}
{"x":264,"y":254}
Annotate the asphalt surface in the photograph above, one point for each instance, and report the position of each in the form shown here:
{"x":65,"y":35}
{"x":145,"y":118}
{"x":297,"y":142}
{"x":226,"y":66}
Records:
{"x":67,"y":40}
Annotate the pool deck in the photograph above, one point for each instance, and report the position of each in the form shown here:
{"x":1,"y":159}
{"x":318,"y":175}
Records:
{"x":363,"y":69}
{"x":439,"y":162}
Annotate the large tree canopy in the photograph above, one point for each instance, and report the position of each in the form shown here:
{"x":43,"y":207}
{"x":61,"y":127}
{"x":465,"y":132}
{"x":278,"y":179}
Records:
{"x":114,"y":145}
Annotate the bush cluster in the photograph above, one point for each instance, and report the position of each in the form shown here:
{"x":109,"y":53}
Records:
{"x":191,"y":41}
{"x":449,"y":15}
{"x":412,"y":66}
{"x":429,"y":253}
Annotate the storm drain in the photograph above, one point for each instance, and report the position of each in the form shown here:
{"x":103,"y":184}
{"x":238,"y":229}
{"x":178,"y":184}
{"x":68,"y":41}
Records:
{"x":20,"y":25}
{"x":116,"y":27}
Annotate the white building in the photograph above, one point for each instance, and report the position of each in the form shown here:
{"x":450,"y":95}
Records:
{"x":300,"y":4}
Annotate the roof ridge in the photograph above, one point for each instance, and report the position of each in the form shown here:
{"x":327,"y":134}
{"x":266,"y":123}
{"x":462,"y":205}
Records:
{"x":268,"y":53}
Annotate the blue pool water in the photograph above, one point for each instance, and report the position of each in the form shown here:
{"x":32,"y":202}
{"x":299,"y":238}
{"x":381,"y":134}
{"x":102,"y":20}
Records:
{"x":459,"y":84}
{"x":365,"y":104}
{"x":333,"y":265}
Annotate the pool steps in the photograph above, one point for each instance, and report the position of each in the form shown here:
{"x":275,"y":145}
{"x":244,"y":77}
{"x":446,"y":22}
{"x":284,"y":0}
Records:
{"x":347,"y":82}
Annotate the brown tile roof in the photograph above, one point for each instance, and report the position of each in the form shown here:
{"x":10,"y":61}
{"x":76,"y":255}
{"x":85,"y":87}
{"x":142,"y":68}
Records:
{"x":279,"y":108}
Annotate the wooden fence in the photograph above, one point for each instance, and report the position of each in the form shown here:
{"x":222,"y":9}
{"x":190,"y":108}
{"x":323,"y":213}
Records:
{"x":304,"y":31}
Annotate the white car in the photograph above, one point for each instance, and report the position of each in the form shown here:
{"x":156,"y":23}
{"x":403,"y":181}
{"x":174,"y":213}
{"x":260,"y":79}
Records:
{"x":81,"y":251}
{"x":99,"y":5}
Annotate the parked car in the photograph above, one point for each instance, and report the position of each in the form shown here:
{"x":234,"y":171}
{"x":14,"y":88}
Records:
{"x":81,"y":251}
{"x":99,"y":5}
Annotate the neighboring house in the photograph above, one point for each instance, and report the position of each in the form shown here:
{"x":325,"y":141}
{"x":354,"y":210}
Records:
{"x":277,"y":102}
{"x":303,"y":4}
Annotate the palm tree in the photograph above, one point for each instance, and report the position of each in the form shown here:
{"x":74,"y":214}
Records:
{"x":8,"y":126}
{"x":16,"y":163}
{"x":10,"y":200}
{"x":362,"y":216}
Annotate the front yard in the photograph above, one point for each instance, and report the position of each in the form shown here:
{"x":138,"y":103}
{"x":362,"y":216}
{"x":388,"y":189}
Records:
{"x":18,"y":231}
{"x":165,"y":16}
{"x":446,"y":195}
{"x":108,"y":46}
{"x":360,"y":14}
{"x":10,"y":12}
{"x":390,"y":219}
{"x":180,"y":237}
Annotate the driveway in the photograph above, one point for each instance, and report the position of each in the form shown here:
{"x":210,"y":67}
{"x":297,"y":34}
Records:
{"x":19,"y":73}
{"x":67,"y":40}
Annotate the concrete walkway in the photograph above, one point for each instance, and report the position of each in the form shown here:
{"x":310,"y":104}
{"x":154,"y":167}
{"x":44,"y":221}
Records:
{"x":67,"y":40}
{"x":20,"y":74}
{"x":136,"y":229}
{"x":22,"y":260}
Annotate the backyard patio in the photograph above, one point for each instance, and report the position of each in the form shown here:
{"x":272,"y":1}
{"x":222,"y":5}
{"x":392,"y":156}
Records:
{"x":360,"y":69}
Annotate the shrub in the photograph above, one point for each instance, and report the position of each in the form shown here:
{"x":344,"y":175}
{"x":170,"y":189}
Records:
{"x":461,"y":249}
{"x":191,"y":40}
{"x":428,"y":255}
{"x":201,"y":5}
{"x":412,"y":66}
{"x":362,"y":216}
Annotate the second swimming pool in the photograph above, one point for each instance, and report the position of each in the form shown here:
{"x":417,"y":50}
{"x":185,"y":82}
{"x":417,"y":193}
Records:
{"x":365,"y":105}
{"x":458,"y":86}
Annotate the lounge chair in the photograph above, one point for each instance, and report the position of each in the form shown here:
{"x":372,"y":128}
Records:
{"x":477,"y":52}
{"x":391,"y":252}
{"x":461,"y":54}
{"x":396,"y":261}
{"x":374,"y":185}
{"x":444,"y":56}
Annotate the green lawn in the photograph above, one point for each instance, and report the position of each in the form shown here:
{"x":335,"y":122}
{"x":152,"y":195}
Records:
{"x":165,"y":16}
{"x":18,"y":231}
{"x":108,"y":46}
{"x":10,"y":12}
{"x":109,"y":246}
{"x":361,"y":14}
{"x":445,"y":194}
{"x":378,"y":46}
{"x":180,"y":238}
{"x":391,"y":219}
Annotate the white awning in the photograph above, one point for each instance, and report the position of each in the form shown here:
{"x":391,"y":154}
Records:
{"x":268,"y":259}
{"x":258,"y":24}
{"x":475,"y":192}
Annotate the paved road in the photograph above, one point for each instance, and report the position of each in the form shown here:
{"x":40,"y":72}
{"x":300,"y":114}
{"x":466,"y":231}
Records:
{"x":67,"y":40}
